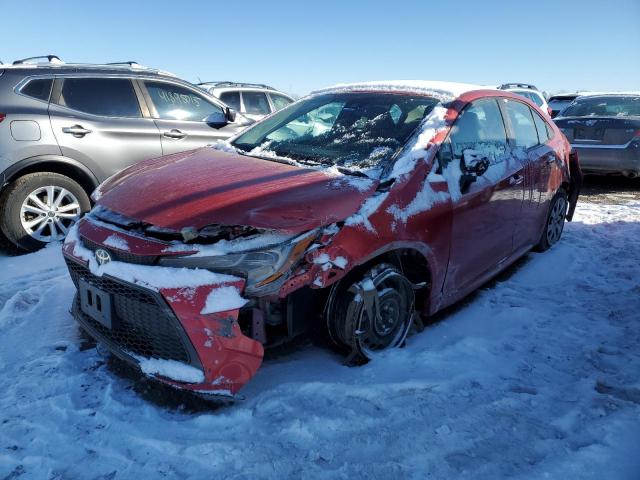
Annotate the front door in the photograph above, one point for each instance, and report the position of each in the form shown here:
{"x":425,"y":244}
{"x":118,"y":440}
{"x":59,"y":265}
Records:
{"x":98,"y":121}
{"x":485,"y":211}
{"x":179,"y":112}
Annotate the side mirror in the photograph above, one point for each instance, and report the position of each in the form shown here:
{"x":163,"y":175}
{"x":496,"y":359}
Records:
{"x":216,"y":120}
{"x":474,"y":164}
{"x":230,"y":113}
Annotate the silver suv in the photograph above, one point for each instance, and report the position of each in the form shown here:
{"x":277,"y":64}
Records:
{"x":64,"y":128}
{"x":253,"y":100}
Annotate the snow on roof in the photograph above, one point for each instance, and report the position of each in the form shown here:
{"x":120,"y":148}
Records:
{"x":442,"y":90}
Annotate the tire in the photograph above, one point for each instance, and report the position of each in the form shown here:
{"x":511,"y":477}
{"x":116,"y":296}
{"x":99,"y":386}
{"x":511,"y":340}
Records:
{"x":554,"y":225}
{"x":38,"y":209}
{"x":371,"y":311}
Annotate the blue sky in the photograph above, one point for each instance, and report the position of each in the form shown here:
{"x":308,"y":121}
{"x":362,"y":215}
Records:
{"x":298,"y":46}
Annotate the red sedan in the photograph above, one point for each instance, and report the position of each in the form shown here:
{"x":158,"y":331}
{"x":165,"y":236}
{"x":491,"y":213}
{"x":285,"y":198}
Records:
{"x":357,"y":209}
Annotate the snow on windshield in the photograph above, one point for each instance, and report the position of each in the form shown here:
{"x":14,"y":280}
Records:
{"x":359,"y":133}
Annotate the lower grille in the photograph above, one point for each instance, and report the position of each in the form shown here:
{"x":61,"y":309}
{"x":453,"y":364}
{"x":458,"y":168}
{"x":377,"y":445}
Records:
{"x":142,"y":322}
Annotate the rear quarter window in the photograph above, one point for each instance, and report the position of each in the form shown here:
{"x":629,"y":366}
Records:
{"x":543,"y":128}
{"x":38,"y":88}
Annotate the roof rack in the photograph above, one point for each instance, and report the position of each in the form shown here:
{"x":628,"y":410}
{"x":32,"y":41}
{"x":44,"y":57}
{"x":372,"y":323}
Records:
{"x":506,"y":86}
{"x":50,"y":59}
{"x":226,"y":83}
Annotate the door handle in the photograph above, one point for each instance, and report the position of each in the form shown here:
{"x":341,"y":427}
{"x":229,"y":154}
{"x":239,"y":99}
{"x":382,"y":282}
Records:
{"x":175,"y":134}
{"x":516,"y":179}
{"x":77,"y":131}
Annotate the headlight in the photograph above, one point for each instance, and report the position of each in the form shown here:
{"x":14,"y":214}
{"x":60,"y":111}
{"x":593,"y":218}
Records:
{"x":259,"y":267}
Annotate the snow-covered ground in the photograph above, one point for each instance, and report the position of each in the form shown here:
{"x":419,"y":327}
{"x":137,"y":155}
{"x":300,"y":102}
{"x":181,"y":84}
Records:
{"x":535,"y":376}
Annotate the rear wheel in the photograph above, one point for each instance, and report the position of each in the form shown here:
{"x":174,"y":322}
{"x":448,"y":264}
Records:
{"x":39,"y":208}
{"x":371,"y":313}
{"x":555,"y":221}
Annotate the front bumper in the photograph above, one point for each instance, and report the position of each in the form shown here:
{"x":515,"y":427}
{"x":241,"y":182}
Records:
{"x":609,"y":160}
{"x":166,"y":325}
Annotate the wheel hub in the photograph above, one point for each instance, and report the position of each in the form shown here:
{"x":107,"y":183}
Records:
{"x":48,"y":212}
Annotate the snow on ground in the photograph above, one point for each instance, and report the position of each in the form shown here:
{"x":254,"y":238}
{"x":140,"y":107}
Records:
{"x":535,"y":376}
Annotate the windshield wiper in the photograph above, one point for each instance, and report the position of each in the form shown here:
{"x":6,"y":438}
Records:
{"x":285,"y":161}
{"x":356,"y":173}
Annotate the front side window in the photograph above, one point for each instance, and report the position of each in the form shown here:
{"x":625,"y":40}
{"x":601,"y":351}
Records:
{"x":107,"y":97}
{"x":604,"y":106}
{"x":38,"y":88}
{"x":480,"y":129}
{"x":358,"y":132}
{"x":522,"y":124}
{"x":255,"y":103}
{"x":174,"y":102}
{"x":232,"y":99}
{"x":279,"y":101}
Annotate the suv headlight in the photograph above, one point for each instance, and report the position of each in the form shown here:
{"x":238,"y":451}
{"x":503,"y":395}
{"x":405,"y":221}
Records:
{"x":259,"y":267}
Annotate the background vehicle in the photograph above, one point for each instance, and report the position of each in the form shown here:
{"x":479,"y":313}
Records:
{"x":381,"y":237}
{"x":559,"y":102}
{"x":253,"y":100}
{"x":605,"y":131}
{"x":530,"y":92}
{"x":64,"y":128}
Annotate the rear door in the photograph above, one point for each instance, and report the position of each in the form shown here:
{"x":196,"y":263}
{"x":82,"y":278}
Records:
{"x":484,"y":216}
{"x":528,"y":134}
{"x":98,"y":121}
{"x":179,"y":113}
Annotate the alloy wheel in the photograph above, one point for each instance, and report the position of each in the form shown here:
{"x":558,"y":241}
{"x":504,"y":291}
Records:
{"x":48,"y":212}
{"x":556,"y":220}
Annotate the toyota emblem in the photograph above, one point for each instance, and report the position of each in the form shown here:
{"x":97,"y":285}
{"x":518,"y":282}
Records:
{"x":102,"y":256}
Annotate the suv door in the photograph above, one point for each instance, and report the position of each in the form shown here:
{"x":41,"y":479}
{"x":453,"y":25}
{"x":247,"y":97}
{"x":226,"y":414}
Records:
{"x":485,"y":214}
{"x":528,"y":134}
{"x":180,"y":113}
{"x":98,"y":121}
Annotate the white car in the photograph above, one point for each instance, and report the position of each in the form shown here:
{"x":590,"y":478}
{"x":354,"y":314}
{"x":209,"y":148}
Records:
{"x":252,"y":100}
{"x":530,"y":92}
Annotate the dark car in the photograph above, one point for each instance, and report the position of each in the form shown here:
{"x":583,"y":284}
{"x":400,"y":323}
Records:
{"x":362,"y":206}
{"x":559,"y":102}
{"x":605,"y":132}
{"x":65,"y":127}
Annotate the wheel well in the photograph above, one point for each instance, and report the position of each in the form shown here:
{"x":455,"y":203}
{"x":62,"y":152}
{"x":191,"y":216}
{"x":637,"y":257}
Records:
{"x":84,"y":180}
{"x":413,"y":265}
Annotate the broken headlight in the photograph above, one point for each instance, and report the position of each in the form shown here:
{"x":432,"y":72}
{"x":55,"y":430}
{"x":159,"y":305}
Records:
{"x":259,"y":267}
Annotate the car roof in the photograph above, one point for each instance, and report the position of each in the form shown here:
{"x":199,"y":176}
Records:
{"x":58,"y":67}
{"x":442,"y":90}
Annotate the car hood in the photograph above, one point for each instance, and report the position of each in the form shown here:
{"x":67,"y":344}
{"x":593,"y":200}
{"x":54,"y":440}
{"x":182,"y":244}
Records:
{"x":207,"y":186}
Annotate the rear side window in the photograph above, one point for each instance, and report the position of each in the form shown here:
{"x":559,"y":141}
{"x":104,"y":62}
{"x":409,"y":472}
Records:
{"x":232,"y":99}
{"x":522,"y":124}
{"x":174,"y":102}
{"x":38,"y":88}
{"x":480,"y":128}
{"x":279,"y":101}
{"x":107,"y":97}
{"x":544,"y":131}
{"x":255,"y":103}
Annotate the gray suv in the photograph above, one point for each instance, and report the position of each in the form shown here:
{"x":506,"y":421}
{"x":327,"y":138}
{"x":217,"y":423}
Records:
{"x":65,"y":128}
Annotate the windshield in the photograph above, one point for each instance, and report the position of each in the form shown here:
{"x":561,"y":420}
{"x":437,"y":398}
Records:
{"x":356,"y":132}
{"x":609,"y":106}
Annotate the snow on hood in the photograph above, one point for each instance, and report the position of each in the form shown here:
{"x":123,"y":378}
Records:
{"x":445,"y":91}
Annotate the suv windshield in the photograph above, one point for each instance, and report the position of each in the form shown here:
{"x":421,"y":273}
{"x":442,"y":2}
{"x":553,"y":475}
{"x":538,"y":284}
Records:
{"x":606,"y":106}
{"x":359,"y":132}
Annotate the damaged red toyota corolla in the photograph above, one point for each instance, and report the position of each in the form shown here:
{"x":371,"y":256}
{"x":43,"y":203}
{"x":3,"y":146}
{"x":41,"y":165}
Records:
{"x":363,"y":205}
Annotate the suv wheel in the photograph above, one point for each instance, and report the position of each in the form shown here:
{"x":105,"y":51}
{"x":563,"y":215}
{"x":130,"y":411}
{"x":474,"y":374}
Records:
{"x":39,"y":208}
